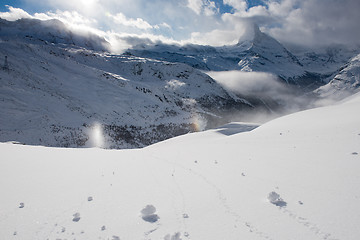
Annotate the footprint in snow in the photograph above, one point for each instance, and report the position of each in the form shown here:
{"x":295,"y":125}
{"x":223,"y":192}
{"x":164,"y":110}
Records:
{"x":148,"y":214}
{"x":76,"y":217}
{"x":115,"y":238}
{"x":103,"y":228}
{"x":176,"y":236}
{"x":355,"y":153}
{"x":21,"y":205}
{"x":275,"y":199}
{"x":90,"y":199}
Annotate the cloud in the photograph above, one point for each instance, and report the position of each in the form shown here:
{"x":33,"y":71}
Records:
{"x":140,"y":23}
{"x":310,"y":23}
{"x":120,"y":42}
{"x":195,"y":5}
{"x":316,"y":22}
{"x":230,"y":33}
{"x":205,"y":7}
{"x":69,"y":17}
{"x":238,"y":5}
{"x":14,"y":14}
{"x":264,"y":88}
{"x":249,"y":83}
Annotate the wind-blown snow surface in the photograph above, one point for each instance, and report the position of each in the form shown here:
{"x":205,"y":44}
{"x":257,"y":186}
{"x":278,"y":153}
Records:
{"x":296,"y":177}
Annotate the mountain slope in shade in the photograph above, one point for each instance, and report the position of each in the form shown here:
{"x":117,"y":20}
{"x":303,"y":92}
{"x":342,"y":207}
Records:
{"x":345,"y":83}
{"x":325,"y":60}
{"x":280,"y":181}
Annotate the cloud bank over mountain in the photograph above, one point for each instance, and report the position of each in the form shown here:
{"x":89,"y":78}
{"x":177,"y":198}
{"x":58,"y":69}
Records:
{"x":310,"y":23}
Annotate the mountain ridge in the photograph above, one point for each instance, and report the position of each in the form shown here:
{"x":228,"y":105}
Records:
{"x":56,"y":94}
{"x":51,"y":31}
{"x":148,"y":94}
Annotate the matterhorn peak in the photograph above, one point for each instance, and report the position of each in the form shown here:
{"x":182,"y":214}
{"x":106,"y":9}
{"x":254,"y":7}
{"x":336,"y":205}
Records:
{"x":251,"y":32}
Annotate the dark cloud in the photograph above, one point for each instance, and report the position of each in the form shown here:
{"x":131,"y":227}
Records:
{"x":320,"y":22}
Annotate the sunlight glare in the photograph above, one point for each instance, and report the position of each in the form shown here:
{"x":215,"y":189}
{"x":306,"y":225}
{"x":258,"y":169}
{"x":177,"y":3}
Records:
{"x":97,"y":137}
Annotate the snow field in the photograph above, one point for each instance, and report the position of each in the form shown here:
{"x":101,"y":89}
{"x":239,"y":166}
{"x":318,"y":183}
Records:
{"x":207,"y":185}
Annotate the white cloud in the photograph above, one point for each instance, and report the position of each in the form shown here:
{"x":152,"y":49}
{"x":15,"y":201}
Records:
{"x":140,"y":23}
{"x":122,"y":41}
{"x":14,"y":14}
{"x":233,"y":29}
{"x":304,"y":22}
{"x":238,"y":5}
{"x":263,"y":86}
{"x":69,"y":17}
{"x":206,"y":7}
{"x":164,"y":25}
{"x":249,"y":83}
{"x":283,"y":8}
{"x":195,"y":5}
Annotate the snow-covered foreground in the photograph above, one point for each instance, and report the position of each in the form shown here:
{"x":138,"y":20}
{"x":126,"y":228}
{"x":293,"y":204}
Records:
{"x":296,"y":177}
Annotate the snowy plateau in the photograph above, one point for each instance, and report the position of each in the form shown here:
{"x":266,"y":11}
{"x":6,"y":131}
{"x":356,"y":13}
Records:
{"x":200,"y":171}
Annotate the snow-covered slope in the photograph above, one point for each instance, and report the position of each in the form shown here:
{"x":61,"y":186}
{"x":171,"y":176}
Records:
{"x":293,"y":178}
{"x":345,"y":83}
{"x":268,"y":55}
{"x":59,"y":87}
{"x":49,"y":32}
{"x":306,"y":68}
{"x":325,"y":60}
{"x":58,"y":94}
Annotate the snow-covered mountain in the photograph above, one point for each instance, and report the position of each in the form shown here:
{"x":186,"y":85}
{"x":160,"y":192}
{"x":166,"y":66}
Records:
{"x":324,"y":60}
{"x":258,"y":53}
{"x":49,"y":32}
{"x":60,"y":86}
{"x":306,"y":69}
{"x":56,"y":93}
{"x":296,"y":177}
{"x":345,"y":83}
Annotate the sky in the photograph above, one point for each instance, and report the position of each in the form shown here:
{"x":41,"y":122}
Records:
{"x":309,"y":23}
